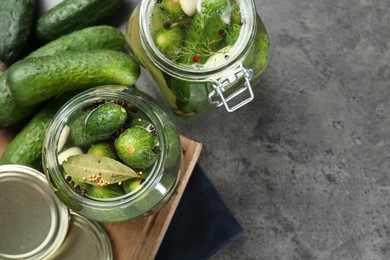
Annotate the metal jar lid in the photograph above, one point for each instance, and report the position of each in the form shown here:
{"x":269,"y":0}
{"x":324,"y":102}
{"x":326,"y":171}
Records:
{"x":35,"y":224}
{"x":86,"y":239}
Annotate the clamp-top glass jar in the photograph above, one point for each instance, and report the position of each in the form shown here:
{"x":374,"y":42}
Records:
{"x":202,"y":53}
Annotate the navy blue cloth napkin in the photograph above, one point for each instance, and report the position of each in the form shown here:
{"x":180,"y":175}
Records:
{"x":202,"y":223}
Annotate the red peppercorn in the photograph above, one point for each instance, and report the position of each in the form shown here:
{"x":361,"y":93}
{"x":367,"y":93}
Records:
{"x":196,"y":58}
{"x":221,"y":32}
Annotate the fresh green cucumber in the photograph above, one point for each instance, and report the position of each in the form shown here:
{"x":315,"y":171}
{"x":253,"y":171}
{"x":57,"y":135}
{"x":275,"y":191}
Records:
{"x":103,"y":192}
{"x":16,"y":27}
{"x":72,"y":15}
{"x":11,"y":112}
{"x":26,"y":147}
{"x":98,"y":124}
{"x":136,"y":147}
{"x":91,"y":38}
{"x":131,"y":185}
{"x":105,"y":148}
{"x":33,"y":80}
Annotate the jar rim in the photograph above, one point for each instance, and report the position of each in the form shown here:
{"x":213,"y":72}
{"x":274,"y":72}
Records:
{"x":35,"y":182}
{"x":240,"y":48}
{"x":98,"y":237}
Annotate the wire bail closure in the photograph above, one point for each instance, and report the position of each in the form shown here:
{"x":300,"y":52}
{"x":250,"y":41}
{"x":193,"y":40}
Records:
{"x":223,"y":84}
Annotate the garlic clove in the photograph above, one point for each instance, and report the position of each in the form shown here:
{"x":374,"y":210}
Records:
{"x":67,"y":153}
{"x":188,"y":6}
{"x":63,"y":137}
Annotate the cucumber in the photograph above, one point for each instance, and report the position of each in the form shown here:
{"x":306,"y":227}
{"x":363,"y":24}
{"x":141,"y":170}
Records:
{"x":103,"y":192}
{"x":26,"y":147}
{"x":174,"y":9}
{"x":16,"y":27}
{"x":189,"y":95}
{"x":72,"y":15}
{"x":136,"y":148}
{"x":168,"y":41}
{"x":106,"y":149}
{"x":33,"y":80}
{"x":91,"y":38}
{"x":98,"y":124}
{"x":166,"y":13}
{"x":131,"y":185}
{"x":11,"y":112}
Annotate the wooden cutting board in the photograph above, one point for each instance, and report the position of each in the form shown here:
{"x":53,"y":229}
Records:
{"x":141,"y":238}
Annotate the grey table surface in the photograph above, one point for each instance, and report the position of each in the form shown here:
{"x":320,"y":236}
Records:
{"x":305,"y":166}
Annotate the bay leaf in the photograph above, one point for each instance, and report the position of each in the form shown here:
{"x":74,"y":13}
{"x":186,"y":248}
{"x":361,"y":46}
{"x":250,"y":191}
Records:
{"x":97,"y":170}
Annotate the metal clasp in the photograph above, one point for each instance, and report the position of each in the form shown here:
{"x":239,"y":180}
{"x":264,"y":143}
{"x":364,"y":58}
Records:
{"x":222,"y":85}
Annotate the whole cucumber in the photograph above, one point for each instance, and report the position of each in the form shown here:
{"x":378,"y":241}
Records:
{"x":11,"y":112}
{"x":91,"y":38}
{"x":16,"y":27}
{"x":72,"y":15}
{"x":97,"y":125}
{"x":33,"y":80}
{"x":26,"y":147}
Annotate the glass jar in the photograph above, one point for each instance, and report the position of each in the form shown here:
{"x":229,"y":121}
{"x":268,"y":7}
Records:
{"x":195,"y":88}
{"x":157,"y":182}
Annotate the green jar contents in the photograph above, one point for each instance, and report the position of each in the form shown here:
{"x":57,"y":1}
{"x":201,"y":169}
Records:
{"x":117,"y":154}
{"x":192,"y":38}
{"x":202,"y":53}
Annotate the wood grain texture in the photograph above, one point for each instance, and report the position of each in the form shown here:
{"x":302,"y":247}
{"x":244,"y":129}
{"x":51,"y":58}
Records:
{"x":141,"y":238}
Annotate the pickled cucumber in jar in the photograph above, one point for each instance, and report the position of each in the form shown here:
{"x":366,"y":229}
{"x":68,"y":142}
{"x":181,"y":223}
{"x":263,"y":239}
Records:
{"x":195,"y":32}
{"x":193,"y":47}
{"x":107,"y":145}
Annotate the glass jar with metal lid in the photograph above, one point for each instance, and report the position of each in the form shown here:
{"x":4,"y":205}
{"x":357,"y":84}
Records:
{"x":112,"y":154}
{"x":202,"y":53}
{"x":35,"y":224}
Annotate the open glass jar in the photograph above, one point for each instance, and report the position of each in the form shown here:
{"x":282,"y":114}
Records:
{"x":202,"y":53}
{"x":118,"y":173}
